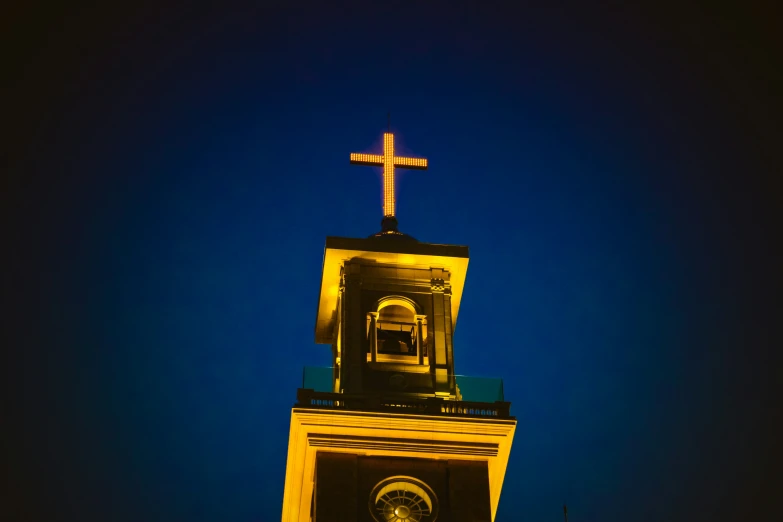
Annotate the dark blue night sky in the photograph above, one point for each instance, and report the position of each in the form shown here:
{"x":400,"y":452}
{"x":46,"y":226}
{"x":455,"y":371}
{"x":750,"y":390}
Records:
{"x":174,"y":174}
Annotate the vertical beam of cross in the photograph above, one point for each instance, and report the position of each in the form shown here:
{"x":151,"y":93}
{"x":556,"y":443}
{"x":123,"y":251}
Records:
{"x":388,"y":161}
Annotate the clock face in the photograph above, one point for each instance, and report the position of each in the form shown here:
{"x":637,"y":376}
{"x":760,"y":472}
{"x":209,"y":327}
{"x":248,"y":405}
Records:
{"x":403,"y":499}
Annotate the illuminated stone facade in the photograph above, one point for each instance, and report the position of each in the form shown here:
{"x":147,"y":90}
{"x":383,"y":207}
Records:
{"x":390,"y":436}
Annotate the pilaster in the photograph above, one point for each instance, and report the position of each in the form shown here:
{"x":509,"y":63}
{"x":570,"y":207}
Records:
{"x":420,"y":337}
{"x":440,"y":361}
{"x":354,"y":358}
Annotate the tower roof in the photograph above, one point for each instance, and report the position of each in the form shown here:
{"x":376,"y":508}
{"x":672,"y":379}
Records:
{"x":389,"y":249}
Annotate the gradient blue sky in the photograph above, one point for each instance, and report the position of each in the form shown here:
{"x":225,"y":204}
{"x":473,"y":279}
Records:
{"x":174,"y":174}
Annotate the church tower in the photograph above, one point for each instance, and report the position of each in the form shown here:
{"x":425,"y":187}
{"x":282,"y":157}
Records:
{"x":390,"y":433}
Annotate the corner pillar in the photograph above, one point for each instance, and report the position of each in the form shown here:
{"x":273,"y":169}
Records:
{"x":353,"y":325}
{"x":439,"y":353}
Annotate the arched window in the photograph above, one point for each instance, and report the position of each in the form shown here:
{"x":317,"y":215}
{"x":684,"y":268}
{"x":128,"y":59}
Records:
{"x":396,"y":331}
{"x":403,"y":499}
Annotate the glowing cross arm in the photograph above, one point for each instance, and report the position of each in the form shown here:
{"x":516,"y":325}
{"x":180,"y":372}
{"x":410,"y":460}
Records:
{"x":388,"y":161}
{"x":410,"y":163}
{"x":374,"y":160}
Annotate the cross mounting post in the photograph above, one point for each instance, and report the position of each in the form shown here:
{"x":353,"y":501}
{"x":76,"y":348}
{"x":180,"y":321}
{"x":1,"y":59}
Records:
{"x":388,"y":161}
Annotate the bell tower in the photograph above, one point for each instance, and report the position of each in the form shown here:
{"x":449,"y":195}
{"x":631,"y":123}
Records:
{"x":390,"y":433}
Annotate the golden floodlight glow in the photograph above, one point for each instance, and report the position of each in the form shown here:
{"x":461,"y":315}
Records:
{"x":388,"y":161}
{"x":399,"y":435}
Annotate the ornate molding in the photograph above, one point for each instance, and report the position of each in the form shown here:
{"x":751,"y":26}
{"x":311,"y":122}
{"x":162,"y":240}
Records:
{"x":403,"y":445}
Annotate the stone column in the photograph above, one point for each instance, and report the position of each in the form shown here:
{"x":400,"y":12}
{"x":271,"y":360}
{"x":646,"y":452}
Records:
{"x":373,"y":335}
{"x":420,"y":337}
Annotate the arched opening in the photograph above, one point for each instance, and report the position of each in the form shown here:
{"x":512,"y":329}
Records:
{"x":396,"y":326}
{"x":396,"y":331}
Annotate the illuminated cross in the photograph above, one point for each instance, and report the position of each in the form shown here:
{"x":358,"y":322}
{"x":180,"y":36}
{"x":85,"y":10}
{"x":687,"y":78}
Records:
{"x":388,"y":161}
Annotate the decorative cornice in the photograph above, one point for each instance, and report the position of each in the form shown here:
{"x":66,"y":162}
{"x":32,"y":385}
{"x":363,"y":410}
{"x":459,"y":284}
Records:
{"x":386,"y":444}
{"x":410,"y":425}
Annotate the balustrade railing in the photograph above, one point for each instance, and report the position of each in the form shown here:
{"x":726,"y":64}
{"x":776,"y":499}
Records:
{"x":308,"y":398}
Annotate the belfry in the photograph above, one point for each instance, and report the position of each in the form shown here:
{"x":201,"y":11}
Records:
{"x":390,"y":433}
